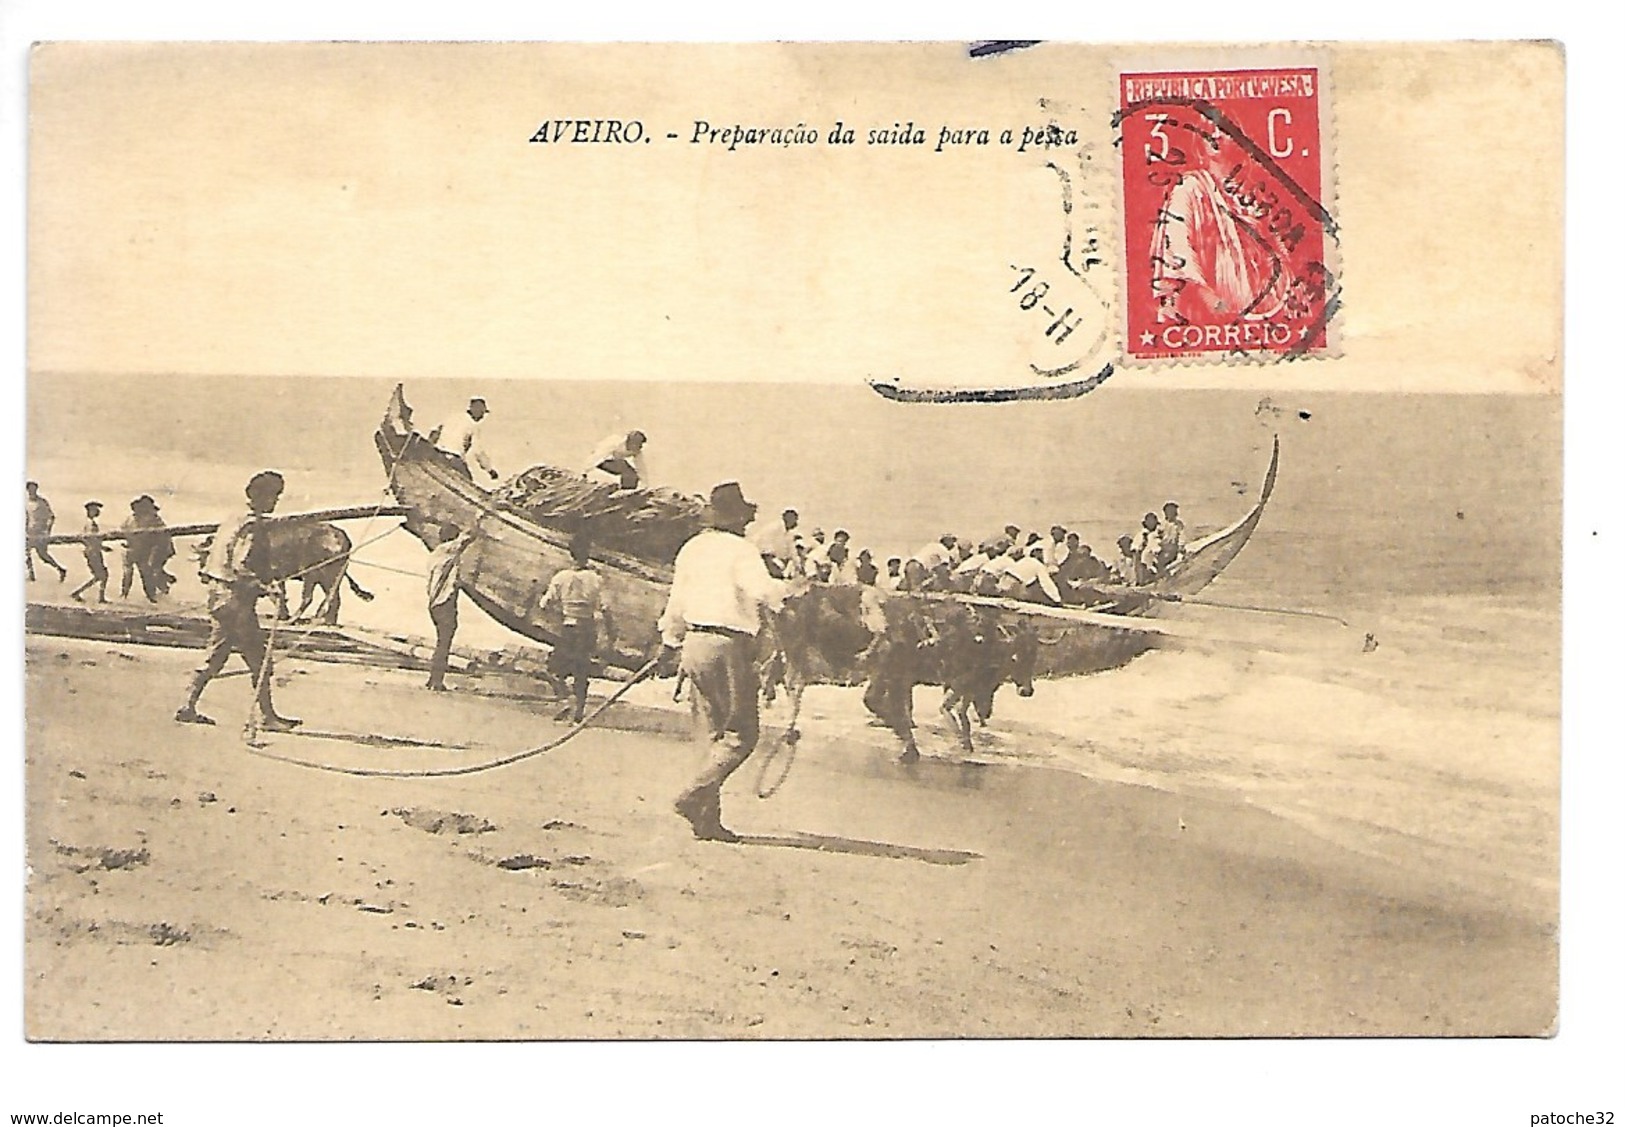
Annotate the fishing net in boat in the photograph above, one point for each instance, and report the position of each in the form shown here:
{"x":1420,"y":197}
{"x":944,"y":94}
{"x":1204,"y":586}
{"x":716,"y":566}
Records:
{"x":651,"y":524}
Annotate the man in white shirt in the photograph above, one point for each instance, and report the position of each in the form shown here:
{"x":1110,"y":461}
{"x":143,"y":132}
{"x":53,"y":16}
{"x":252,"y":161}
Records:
{"x":779,"y":543}
{"x":444,"y":560}
{"x":817,"y":557}
{"x":720,"y":589}
{"x":1126,"y":567}
{"x":930,"y":568}
{"x":986,"y":579}
{"x":893,"y":579}
{"x":965,"y":571}
{"x":461,"y":438}
{"x":1058,"y":549}
{"x":842,"y":568}
{"x":1027,"y":578}
{"x":1001,"y":568}
{"x":1173,"y":534}
{"x":939,"y":553}
{"x":619,"y":458}
{"x":1149,"y":547}
{"x":95,"y":556}
{"x":576,"y":595}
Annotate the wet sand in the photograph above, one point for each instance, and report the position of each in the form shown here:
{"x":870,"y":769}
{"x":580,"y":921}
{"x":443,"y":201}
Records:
{"x":183,"y":888}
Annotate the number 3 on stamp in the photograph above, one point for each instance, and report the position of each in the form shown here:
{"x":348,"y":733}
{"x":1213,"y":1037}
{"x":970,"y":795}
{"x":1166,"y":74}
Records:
{"x":1226,"y":237}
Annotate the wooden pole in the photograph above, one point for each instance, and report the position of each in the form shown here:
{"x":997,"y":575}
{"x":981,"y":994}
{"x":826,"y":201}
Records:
{"x":353,"y":512}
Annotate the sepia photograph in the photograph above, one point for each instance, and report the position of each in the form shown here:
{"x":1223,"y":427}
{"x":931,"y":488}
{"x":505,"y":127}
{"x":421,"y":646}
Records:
{"x":793,"y":542}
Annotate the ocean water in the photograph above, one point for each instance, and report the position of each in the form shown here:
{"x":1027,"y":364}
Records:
{"x":1432,"y":524}
{"x":1378,"y":494}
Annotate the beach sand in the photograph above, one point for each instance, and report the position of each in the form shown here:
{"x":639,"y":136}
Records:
{"x":181,"y":887}
{"x":1290,"y":827}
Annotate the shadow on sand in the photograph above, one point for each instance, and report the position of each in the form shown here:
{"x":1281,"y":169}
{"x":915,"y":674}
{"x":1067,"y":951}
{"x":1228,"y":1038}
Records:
{"x":369,"y":740}
{"x":822,"y":843}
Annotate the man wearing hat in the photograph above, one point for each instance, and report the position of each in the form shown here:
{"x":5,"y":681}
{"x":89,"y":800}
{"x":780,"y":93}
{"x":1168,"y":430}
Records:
{"x":1057,"y":551}
{"x":720,"y":589}
{"x":235,"y":572}
{"x":938,"y":554}
{"x":619,"y":458}
{"x":95,"y":555}
{"x":148,"y":547}
{"x":866,"y":573}
{"x":461,"y":438}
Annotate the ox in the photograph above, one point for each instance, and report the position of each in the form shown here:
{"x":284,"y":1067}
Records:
{"x":318,"y":555}
{"x":968,"y":651}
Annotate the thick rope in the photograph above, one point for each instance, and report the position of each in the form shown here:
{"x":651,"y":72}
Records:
{"x":474,"y":768}
{"x":785,"y":745}
{"x":251,"y":726}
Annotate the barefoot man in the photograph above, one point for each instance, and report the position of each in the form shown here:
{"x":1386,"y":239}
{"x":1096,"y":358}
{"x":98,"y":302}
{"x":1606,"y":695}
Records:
{"x":720,"y":588}
{"x":40,"y":522}
{"x":95,"y":556}
{"x":576,"y":595}
{"x":444,"y":560}
{"x":235,"y":572}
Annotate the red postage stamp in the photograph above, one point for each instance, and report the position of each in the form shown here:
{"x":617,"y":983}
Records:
{"x":1227,"y":238}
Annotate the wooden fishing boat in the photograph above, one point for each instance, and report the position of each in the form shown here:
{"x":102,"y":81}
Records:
{"x":506,"y":569}
{"x":1088,"y":642}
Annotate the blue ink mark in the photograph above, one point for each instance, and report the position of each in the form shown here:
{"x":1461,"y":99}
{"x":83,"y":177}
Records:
{"x":1034,"y":393}
{"x":985,"y":47}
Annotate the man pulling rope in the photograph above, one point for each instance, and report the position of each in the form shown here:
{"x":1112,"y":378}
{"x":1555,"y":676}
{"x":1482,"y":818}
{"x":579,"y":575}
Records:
{"x":236,"y":571}
{"x":719,"y":592}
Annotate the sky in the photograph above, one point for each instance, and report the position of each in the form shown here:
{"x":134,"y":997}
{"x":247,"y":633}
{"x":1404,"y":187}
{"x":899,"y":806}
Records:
{"x":367,"y":209}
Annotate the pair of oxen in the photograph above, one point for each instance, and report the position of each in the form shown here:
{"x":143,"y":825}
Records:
{"x":969,"y":651}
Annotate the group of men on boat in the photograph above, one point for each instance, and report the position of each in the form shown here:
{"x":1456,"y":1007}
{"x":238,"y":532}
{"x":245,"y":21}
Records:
{"x":1060,"y":571}
{"x":617,"y":458}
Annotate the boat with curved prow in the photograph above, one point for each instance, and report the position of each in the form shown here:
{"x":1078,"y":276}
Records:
{"x":1090,"y":647}
{"x":506,"y":569}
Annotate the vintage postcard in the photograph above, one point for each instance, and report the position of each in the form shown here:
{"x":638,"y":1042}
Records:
{"x":793,"y":541}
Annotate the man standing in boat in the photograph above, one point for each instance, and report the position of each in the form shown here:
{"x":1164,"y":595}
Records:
{"x":1149,"y":548}
{"x":235,"y":572}
{"x":1173,"y":535}
{"x":778,"y":544}
{"x":719,"y":592}
{"x":462,"y":439}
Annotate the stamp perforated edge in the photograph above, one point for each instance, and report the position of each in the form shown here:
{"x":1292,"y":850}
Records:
{"x":1216,"y":58}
